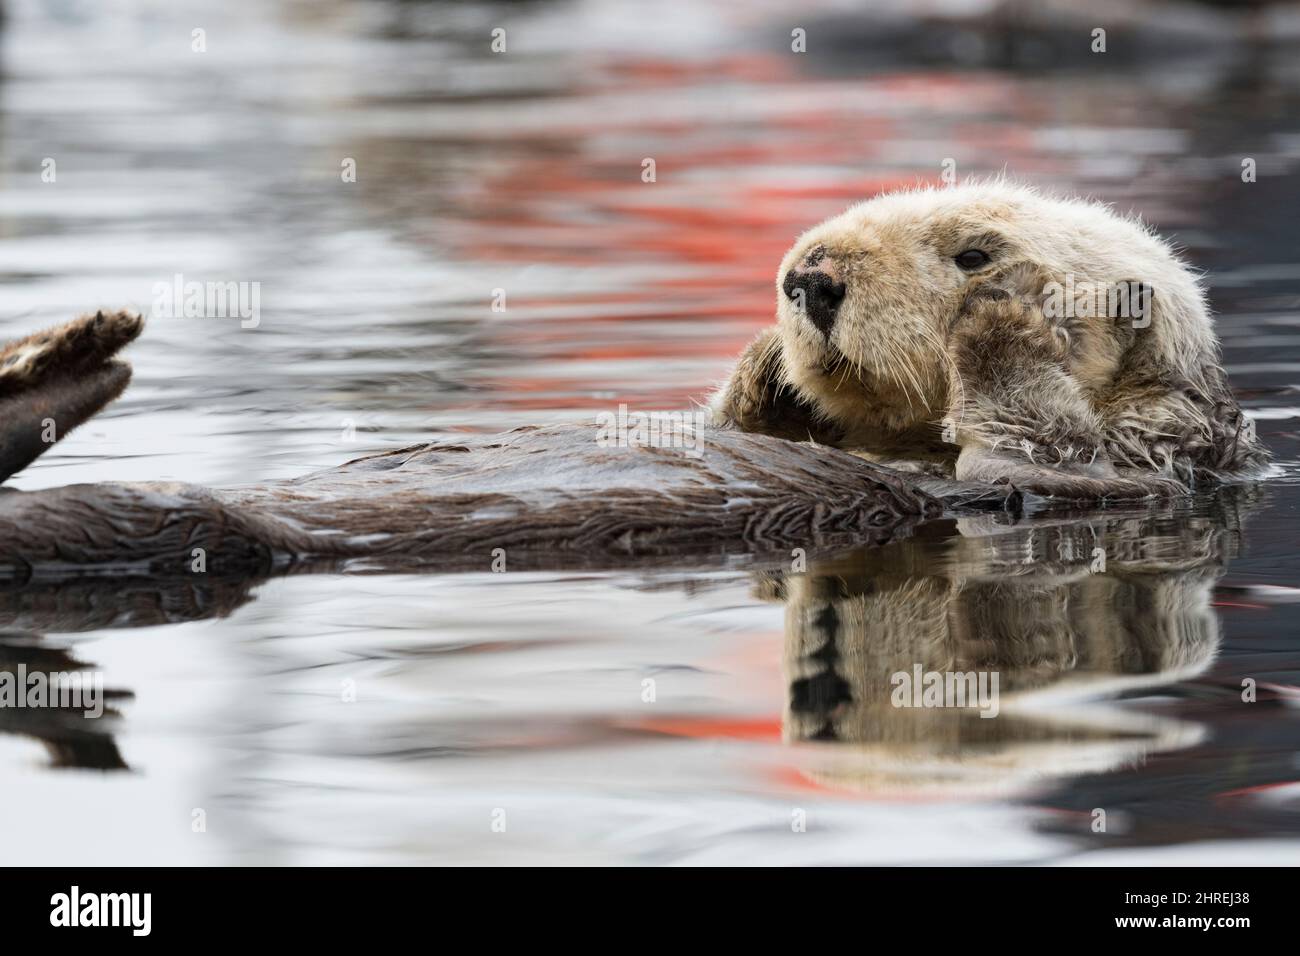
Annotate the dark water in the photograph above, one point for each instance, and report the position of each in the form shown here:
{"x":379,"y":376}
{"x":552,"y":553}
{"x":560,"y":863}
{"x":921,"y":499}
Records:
{"x":364,"y":718}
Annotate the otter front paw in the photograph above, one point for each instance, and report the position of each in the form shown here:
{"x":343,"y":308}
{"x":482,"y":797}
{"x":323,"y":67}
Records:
{"x":756,"y":397}
{"x":1019,"y":415}
{"x":1075,"y":481}
{"x":994,"y":328}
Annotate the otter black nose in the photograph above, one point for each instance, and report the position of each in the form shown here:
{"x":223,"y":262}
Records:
{"x":816,"y":293}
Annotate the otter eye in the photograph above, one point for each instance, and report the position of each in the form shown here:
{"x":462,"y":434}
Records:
{"x":971,"y":259}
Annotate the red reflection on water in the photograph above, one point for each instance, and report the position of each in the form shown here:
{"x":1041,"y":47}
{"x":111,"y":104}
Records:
{"x":743,"y":166}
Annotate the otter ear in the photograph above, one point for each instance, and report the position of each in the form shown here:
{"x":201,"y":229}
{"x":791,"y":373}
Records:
{"x":757,"y":398}
{"x":1131,"y":306}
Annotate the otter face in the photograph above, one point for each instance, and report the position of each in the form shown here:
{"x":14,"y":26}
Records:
{"x":867,"y":299}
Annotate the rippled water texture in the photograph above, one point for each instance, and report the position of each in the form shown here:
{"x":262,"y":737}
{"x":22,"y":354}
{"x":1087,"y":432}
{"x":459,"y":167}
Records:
{"x":683,"y":715}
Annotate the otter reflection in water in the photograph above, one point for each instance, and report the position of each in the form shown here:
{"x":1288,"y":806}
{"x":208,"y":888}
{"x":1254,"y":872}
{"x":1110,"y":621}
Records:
{"x":66,"y":606}
{"x":1061,"y":607}
{"x":1040,"y":616}
{"x":31,"y":705}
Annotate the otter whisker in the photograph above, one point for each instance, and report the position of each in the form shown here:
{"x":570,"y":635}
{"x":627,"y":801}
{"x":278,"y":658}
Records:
{"x":899,"y":362}
{"x":953,"y":371}
{"x":844,"y":374}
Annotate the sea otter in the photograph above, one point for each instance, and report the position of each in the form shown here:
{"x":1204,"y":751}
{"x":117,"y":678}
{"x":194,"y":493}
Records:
{"x":985,"y":339}
{"x":994,"y":333}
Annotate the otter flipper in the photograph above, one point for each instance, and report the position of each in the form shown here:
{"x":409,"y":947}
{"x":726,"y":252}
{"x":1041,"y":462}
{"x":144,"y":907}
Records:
{"x":54,"y":380}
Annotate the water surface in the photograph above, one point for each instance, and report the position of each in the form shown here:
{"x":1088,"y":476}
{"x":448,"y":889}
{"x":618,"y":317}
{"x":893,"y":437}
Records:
{"x":682,"y":715}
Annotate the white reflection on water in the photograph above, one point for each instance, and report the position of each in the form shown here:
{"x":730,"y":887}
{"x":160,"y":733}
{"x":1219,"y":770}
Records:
{"x":472,"y":694}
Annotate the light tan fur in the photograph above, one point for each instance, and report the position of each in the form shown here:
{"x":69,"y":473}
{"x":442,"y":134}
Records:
{"x":981,"y":373}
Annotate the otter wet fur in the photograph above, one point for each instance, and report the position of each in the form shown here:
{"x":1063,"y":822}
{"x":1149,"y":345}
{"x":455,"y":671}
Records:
{"x":993,"y":333}
{"x":554,"y":496}
{"x":52,"y":381}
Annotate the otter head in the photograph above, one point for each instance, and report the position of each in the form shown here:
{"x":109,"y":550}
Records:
{"x":868,"y":299}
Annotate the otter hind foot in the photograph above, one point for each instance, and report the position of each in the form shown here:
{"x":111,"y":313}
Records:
{"x":54,"y":380}
{"x":77,"y":346}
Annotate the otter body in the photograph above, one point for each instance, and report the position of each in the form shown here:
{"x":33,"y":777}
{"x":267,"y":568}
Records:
{"x":990,"y":333}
